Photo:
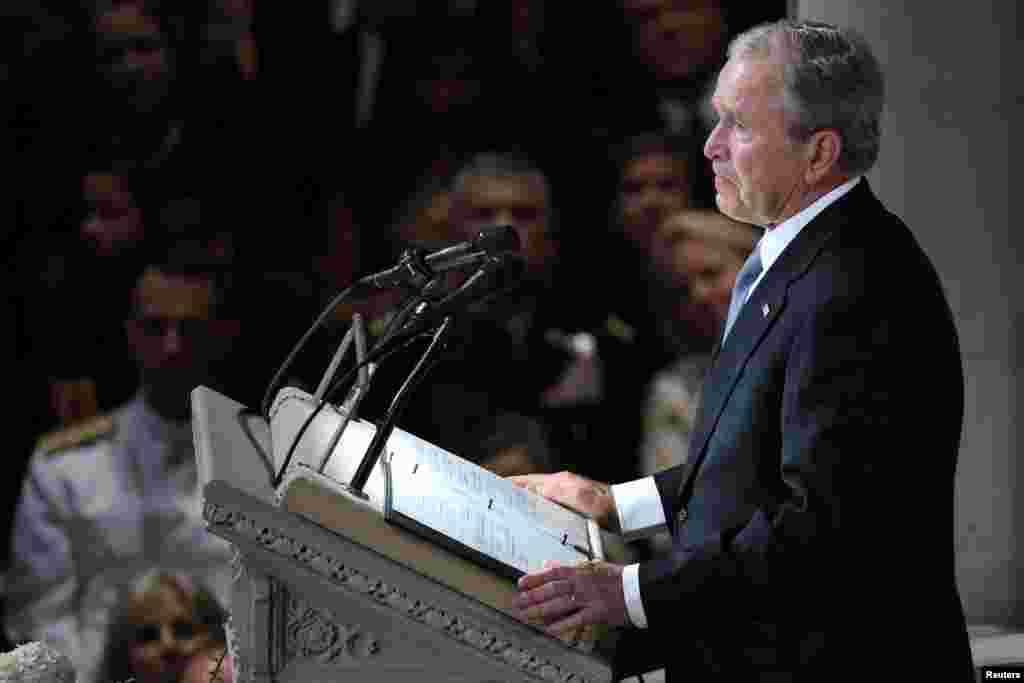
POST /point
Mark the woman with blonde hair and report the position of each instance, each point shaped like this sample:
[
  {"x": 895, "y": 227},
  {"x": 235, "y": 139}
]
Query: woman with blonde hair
[
  {"x": 166, "y": 629},
  {"x": 700, "y": 252}
]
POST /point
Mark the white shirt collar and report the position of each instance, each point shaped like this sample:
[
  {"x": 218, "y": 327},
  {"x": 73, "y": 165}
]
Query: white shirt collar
[{"x": 775, "y": 241}]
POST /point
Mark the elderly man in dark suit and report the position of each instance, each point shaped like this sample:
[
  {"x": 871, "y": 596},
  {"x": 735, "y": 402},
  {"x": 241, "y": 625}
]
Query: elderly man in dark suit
[{"x": 817, "y": 506}]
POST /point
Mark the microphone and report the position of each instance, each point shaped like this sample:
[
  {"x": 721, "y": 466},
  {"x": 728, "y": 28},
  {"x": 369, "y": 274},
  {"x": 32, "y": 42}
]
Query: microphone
[
  {"x": 497, "y": 275},
  {"x": 416, "y": 269}
]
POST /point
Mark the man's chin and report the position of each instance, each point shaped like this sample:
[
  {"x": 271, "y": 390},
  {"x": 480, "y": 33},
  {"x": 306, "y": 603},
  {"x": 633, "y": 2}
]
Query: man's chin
[
  {"x": 726, "y": 205},
  {"x": 730, "y": 208}
]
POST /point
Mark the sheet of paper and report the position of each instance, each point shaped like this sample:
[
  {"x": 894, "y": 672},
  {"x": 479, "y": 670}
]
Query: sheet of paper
[{"x": 410, "y": 454}]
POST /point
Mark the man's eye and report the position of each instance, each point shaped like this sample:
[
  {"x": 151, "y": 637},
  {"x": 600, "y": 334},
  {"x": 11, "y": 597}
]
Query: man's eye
[
  {"x": 482, "y": 214},
  {"x": 152, "y": 326},
  {"x": 184, "y": 630},
  {"x": 526, "y": 214}
]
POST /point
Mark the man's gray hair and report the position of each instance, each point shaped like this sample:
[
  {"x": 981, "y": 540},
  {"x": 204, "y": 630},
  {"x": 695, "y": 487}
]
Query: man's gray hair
[
  {"x": 831, "y": 80},
  {"x": 498, "y": 165}
]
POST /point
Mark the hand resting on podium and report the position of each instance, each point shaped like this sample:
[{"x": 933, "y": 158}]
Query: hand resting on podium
[
  {"x": 585, "y": 496},
  {"x": 563, "y": 598}
]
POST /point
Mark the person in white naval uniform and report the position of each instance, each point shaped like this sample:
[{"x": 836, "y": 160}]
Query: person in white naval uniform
[{"x": 109, "y": 499}]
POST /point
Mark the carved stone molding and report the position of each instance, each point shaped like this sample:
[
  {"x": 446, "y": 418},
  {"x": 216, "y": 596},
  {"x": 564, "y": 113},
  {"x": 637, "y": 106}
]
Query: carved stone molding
[
  {"x": 227, "y": 521},
  {"x": 314, "y": 633},
  {"x": 239, "y": 665}
]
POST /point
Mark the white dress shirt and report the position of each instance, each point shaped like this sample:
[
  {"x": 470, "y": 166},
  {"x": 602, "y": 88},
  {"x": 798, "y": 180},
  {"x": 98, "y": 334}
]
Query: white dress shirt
[{"x": 637, "y": 502}]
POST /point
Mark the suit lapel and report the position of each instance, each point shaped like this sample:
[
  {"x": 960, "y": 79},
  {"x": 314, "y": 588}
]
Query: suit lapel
[
  {"x": 748, "y": 331},
  {"x": 760, "y": 313}
]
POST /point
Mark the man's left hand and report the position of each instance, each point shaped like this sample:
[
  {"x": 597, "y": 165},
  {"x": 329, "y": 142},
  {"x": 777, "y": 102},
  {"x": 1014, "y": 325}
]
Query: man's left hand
[{"x": 563, "y": 599}]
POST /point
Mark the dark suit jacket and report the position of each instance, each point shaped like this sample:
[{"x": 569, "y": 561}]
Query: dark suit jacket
[{"x": 818, "y": 530}]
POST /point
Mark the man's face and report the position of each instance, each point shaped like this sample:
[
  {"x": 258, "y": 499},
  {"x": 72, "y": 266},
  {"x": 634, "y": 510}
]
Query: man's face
[
  {"x": 710, "y": 272},
  {"x": 114, "y": 221},
  {"x": 521, "y": 202},
  {"x": 676, "y": 38},
  {"x": 176, "y": 337},
  {"x": 759, "y": 171},
  {"x": 651, "y": 188}
]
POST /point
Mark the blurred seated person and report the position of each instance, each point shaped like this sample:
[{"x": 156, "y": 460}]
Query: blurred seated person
[
  {"x": 421, "y": 222},
  {"x": 680, "y": 44},
  {"x": 704, "y": 250},
  {"x": 677, "y": 48},
  {"x": 167, "y": 629},
  {"x": 429, "y": 107},
  {"x": 505, "y": 362},
  {"x": 84, "y": 278},
  {"x": 109, "y": 497},
  {"x": 656, "y": 179},
  {"x": 638, "y": 329},
  {"x": 135, "y": 106}
]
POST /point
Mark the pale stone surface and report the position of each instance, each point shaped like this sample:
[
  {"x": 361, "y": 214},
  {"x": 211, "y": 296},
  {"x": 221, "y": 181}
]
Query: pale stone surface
[{"x": 35, "y": 663}]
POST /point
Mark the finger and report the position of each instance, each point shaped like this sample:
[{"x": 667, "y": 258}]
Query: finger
[
  {"x": 550, "y": 610},
  {"x": 572, "y": 622},
  {"x": 547, "y": 591},
  {"x": 526, "y": 481},
  {"x": 546, "y": 575},
  {"x": 551, "y": 564}
]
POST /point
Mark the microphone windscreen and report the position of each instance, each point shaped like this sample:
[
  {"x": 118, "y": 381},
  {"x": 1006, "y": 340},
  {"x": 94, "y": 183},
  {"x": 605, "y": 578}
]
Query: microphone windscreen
[{"x": 498, "y": 239}]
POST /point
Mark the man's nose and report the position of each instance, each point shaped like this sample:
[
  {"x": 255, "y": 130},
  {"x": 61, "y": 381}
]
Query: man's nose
[
  {"x": 167, "y": 639},
  {"x": 713, "y": 147},
  {"x": 172, "y": 340},
  {"x": 700, "y": 291},
  {"x": 506, "y": 217}
]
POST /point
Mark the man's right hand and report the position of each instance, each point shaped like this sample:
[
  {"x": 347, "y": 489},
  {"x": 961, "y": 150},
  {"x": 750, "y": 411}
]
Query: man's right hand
[{"x": 586, "y": 496}]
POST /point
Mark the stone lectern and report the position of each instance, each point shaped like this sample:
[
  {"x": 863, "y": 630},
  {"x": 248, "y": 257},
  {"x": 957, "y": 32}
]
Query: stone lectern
[{"x": 409, "y": 579}]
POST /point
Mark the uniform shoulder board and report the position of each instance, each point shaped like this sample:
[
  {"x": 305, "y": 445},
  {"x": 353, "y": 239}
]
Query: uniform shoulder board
[{"x": 77, "y": 434}]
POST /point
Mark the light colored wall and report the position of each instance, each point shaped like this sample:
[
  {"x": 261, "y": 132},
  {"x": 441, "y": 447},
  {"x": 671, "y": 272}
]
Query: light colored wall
[{"x": 945, "y": 168}]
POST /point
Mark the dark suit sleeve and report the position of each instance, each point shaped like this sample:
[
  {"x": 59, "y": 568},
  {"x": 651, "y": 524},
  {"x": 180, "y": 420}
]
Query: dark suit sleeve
[{"x": 834, "y": 403}]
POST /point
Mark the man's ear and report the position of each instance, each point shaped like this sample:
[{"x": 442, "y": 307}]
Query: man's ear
[{"x": 823, "y": 150}]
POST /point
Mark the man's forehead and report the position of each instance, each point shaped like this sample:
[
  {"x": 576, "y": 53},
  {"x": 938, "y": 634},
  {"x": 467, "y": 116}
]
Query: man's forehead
[
  {"x": 127, "y": 20},
  {"x": 175, "y": 296},
  {"x": 747, "y": 81},
  {"x": 641, "y": 6},
  {"x": 484, "y": 190},
  {"x": 100, "y": 184}
]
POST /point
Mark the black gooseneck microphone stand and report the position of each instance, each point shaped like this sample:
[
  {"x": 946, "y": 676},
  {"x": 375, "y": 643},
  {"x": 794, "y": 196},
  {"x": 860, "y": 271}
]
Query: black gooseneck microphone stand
[{"x": 428, "y": 360}]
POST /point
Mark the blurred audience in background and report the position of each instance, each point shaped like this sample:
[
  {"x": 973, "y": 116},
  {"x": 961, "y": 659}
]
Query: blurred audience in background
[
  {"x": 108, "y": 497},
  {"x": 310, "y": 144}
]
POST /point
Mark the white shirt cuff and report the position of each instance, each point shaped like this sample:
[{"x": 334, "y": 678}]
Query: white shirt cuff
[
  {"x": 631, "y": 589},
  {"x": 638, "y": 505}
]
